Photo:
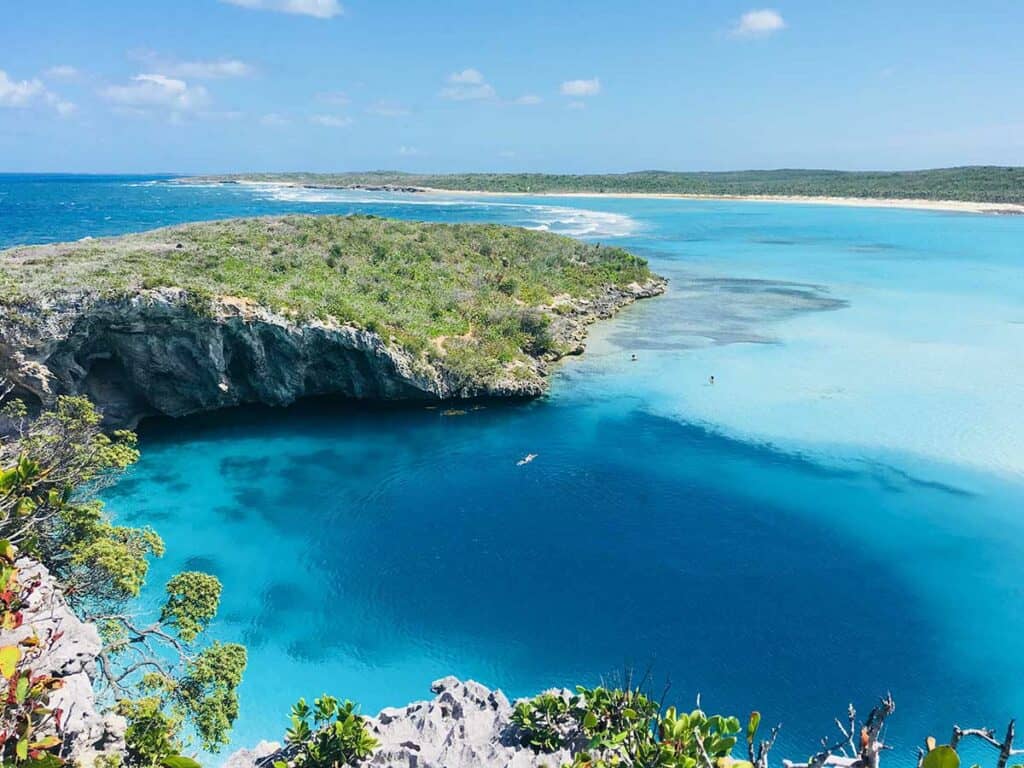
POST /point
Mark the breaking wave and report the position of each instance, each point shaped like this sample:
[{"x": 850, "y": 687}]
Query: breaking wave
[{"x": 577, "y": 222}]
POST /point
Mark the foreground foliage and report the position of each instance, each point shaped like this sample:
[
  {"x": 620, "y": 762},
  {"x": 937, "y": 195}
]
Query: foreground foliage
[
  {"x": 29, "y": 728},
  {"x": 50, "y": 471},
  {"x": 173, "y": 689},
  {"x": 329, "y": 734},
  {"x": 626, "y": 727},
  {"x": 467, "y": 293},
  {"x": 971, "y": 183}
]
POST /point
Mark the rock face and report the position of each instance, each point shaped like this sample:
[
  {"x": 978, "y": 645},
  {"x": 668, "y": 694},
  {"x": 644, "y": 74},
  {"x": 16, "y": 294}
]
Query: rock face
[
  {"x": 465, "y": 725},
  {"x": 72, "y": 659},
  {"x": 166, "y": 352}
]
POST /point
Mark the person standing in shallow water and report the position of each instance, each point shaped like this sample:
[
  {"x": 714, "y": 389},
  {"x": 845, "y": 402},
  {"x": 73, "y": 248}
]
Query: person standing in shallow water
[{"x": 711, "y": 380}]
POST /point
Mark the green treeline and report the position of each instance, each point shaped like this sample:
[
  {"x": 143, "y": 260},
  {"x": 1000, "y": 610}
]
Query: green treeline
[{"x": 992, "y": 184}]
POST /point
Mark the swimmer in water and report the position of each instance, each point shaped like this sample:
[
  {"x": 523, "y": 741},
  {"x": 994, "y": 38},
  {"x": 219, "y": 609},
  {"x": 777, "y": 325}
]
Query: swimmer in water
[
  {"x": 711, "y": 380},
  {"x": 633, "y": 357}
]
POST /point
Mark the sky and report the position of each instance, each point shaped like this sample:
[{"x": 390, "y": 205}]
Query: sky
[{"x": 207, "y": 86}]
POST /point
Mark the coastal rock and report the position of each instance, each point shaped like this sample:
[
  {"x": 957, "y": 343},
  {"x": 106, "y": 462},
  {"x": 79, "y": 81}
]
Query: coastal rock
[
  {"x": 465, "y": 725},
  {"x": 246, "y": 758},
  {"x": 168, "y": 352},
  {"x": 87, "y": 732}
]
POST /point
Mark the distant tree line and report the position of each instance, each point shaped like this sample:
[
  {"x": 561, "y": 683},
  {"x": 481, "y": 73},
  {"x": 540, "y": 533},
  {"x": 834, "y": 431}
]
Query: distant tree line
[{"x": 992, "y": 184}]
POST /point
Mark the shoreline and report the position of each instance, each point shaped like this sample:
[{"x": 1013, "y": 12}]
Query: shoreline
[
  {"x": 919, "y": 204},
  {"x": 957, "y": 206}
]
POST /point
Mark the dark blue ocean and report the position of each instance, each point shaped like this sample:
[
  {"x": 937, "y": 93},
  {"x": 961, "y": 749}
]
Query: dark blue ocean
[{"x": 839, "y": 515}]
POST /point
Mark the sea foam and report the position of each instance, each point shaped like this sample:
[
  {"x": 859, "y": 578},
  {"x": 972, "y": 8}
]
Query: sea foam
[{"x": 563, "y": 220}]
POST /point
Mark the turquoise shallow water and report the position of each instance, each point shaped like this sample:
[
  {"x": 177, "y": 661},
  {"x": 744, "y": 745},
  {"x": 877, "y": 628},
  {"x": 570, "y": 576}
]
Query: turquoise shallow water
[{"x": 837, "y": 516}]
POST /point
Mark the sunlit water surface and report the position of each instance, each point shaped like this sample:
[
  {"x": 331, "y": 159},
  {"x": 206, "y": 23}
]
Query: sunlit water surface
[{"x": 837, "y": 516}]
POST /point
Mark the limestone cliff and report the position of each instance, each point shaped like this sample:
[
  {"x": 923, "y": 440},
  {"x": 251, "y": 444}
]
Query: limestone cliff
[{"x": 166, "y": 351}]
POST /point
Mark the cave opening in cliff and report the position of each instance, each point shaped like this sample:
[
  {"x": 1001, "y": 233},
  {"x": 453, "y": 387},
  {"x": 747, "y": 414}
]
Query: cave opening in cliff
[{"x": 107, "y": 382}]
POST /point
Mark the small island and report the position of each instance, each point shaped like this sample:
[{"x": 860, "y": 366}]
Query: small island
[{"x": 201, "y": 316}]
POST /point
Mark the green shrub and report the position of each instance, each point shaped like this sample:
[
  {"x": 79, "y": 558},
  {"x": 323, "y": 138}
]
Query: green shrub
[
  {"x": 543, "y": 721},
  {"x": 328, "y": 735},
  {"x": 624, "y": 727}
]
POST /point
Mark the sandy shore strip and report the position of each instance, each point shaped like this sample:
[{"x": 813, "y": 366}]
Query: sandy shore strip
[
  {"x": 955, "y": 206},
  {"x": 958, "y": 206}
]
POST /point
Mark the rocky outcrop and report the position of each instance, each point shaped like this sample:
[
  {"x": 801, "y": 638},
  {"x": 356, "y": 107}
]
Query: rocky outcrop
[
  {"x": 168, "y": 352},
  {"x": 72, "y": 658},
  {"x": 465, "y": 725}
]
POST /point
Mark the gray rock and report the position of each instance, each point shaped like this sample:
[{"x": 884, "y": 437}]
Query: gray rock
[
  {"x": 465, "y": 725},
  {"x": 87, "y": 731},
  {"x": 245, "y": 758}
]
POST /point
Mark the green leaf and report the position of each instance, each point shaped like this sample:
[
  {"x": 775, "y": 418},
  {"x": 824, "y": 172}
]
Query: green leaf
[
  {"x": 941, "y": 757},
  {"x": 752, "y": 725},
  {"x": 179, "y": 761},
  {"x": 21, "y": 690},
  {"x": 590, "y": 721}
]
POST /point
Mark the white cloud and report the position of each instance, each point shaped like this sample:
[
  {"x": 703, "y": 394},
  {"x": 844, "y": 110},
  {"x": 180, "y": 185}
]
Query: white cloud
[
  {"x": 23, "y": 93},
  {"x": 61, "y": 72},
  {"x": 320, "y": 9},
  {"x": 468, "y": 92},
  {"x": 581, "y": 87},
  {"x": 212, "y": 69},
  {"x": 385, "y": 108},
  {"x": 466, "y": 77},
  {"x": 64, "y": 108},
  {"x": 408, "y": 151},
  {"x": 225, "y": 114},
  {"x": 337, "y": 98},
  {"x": 467, "y": 85},
  {"x": 152, "y": 90},
  {"x": 759, "y": 23},
  {"x": 331, "y": 121},
  {"x": 274, "y": 120},
  {"x": 528, "y": 99},
  {"x": 18, "y": 93}
]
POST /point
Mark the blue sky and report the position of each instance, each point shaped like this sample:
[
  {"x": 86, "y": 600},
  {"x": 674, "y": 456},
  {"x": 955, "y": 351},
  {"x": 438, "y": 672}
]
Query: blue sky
[{"x": 329, "y": 85}]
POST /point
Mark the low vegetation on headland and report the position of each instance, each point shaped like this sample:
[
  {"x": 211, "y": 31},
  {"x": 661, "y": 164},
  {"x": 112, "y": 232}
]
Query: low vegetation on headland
[
  {"x": 981, "y": 184},
  {"x": 478, "y": 296}
]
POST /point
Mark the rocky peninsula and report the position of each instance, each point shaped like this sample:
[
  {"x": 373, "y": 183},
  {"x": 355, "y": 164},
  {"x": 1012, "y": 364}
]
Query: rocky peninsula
[{"x": 196, "y": 317}]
